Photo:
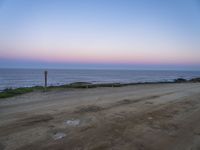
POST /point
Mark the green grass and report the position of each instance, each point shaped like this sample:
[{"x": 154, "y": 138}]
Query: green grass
[{"x": 13, "y": 92}]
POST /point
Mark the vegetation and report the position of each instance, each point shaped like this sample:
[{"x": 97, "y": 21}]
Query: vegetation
[
  {"x": 9, "y": 92},
  {"x": 195, "y": 80},
  {"x": 13, "y": 92}
]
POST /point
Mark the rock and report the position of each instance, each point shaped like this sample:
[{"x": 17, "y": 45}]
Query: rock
[
  {"x": 195, "y": 80},
  {"x": 180, "y": 80},
  {"x": 150, "y": 118},
  {"x": 72, "y": 122},
  {"x": 59, "y": 135}
]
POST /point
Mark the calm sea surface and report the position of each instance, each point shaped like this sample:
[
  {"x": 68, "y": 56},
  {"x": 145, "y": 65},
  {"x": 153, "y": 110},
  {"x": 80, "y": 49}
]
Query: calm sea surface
[{"x": 13, "y": 78}]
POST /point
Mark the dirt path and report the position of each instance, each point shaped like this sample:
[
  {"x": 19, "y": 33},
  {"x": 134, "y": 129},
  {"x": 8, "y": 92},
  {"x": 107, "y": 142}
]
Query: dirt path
[{"x": 140, "y": 117}]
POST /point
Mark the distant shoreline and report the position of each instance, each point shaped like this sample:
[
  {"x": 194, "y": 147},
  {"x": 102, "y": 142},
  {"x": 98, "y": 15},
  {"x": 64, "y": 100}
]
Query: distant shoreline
[
  {"x": 10, "y": 92},
  {"x": 29, "y": 78}
]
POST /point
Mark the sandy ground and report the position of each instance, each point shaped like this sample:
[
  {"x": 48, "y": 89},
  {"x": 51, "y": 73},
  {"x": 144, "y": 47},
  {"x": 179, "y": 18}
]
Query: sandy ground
[{"x": 140, "y": 117}]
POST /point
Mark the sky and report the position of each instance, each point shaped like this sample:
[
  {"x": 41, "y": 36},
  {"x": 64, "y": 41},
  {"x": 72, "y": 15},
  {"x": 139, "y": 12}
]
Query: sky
[{"x": 99, "y": 34}]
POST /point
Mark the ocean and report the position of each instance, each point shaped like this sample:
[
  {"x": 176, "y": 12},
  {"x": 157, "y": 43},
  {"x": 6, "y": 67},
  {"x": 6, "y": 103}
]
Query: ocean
[{"x": 14, "y": 78}]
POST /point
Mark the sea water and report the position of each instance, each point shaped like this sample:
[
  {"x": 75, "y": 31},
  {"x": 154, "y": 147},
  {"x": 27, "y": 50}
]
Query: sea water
[{"x": 14, "y": 78}]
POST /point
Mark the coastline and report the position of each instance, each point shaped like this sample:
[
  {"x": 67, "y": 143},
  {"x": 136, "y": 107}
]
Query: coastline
[{"x": 9, "y": 92}]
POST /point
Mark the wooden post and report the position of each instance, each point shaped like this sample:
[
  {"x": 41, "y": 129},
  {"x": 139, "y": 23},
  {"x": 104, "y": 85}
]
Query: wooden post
[{"x": 45, "y": 78}]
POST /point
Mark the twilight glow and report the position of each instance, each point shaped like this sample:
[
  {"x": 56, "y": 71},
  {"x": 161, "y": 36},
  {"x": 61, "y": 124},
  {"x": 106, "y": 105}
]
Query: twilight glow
[{"x": 73, "y": 33}]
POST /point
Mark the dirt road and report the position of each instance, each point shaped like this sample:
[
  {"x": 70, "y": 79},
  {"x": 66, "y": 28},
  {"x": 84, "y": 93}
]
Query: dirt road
[{"x": 140, "y": 117}]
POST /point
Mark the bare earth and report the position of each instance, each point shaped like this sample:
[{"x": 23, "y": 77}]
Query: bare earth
[{"x": 140, "y": 117}]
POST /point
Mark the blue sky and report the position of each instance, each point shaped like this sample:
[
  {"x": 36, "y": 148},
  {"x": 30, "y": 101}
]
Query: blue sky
[{"x": 131, "y": 34}]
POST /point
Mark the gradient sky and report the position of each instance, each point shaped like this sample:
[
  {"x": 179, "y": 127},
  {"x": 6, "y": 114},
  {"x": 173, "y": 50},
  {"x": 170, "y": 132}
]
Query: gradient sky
[{"x": 131, "y": 34}]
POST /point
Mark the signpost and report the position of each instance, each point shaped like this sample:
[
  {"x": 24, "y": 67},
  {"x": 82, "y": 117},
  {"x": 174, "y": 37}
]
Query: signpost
[{"x": 45, "y": 78}]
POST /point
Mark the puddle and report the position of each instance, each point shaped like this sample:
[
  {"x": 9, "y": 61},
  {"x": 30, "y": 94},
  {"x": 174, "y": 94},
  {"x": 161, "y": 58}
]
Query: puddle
[
  {"x": 75, "y": 122},
  {"x": 59, "y": 135}
]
